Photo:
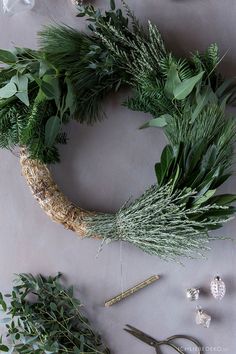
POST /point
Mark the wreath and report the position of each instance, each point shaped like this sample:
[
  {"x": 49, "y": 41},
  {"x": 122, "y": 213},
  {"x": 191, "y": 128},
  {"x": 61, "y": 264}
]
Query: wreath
[{"x": 68, "y": 77}]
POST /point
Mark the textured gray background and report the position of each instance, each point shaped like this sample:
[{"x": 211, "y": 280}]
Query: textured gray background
[{"x": 102, "y": 167}]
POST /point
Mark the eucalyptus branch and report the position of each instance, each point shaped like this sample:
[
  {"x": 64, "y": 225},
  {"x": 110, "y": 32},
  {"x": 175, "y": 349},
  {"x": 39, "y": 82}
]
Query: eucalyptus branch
[{"x": 52, "y": 322}]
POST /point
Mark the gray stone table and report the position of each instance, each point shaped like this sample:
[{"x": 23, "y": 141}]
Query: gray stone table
[{"x": 101, "y": 168}]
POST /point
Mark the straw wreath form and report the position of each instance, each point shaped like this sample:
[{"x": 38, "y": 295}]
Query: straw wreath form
[{"x": 55, "y": 204}]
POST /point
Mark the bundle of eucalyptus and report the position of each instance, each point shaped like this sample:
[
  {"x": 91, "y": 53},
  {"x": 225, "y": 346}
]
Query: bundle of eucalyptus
[
  {"x": 44, "y": 317},
  {"x": 68, "y": 77}
]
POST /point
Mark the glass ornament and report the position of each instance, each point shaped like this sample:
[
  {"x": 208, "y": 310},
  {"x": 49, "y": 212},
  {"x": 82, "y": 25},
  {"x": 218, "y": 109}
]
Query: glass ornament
[
  {"x": 202, "y": 318},
  {"x": 218, "y": 288},
  {"x": 12, "y": 7},
  {"x": 192, "y": 294}
]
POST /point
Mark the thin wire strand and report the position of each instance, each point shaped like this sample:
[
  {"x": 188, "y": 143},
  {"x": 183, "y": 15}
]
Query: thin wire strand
[{"x": 121, "y": 268}]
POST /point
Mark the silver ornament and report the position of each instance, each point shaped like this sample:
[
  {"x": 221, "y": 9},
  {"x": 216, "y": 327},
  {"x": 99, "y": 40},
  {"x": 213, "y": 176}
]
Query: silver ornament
[
  {"x": 77, "y": 2},
  {"x": 192, "y": 294},
  {"x": 218, "y": 288},
  {"x": 12, "y": 7},
  {"x": 202, "y": 318}
]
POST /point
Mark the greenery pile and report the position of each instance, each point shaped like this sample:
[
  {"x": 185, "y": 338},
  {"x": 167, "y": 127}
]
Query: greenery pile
[
  {"x": 43, "y": 317},
  {"x": 71, "y": 74}
]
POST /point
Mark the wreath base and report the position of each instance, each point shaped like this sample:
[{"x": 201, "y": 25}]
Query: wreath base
[{"x": 50, "y": 198}]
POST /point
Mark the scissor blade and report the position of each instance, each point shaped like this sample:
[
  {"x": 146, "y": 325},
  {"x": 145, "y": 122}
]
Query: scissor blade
[{"x": 140, "y": 335}]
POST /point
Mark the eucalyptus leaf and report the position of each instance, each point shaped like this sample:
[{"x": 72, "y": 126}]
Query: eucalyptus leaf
[
  {"x": 70, "y": 97},
  {"x": 92, "y": 66},
  {"x": 113, "y": 5},
  {"x": 43, "y": 68},
  {"x": 22, "y": 82},
  {"x": 183, "y": 89},
  {"x": 52, "y": 129},
  {"x": 172, "y": 81},
  {"x": 80, "y": 14},
  {"x": 23, "y": 96},
  {"x": 7, "y": 57},
  {"x": 4, "y": 348},
  {"x": 53, "y": 306},
  {"x": 27, "y": 339},
  {"x": 50, "y": 87},
  {"x": 3, "y": 304},
  {"x": 47, "y": 89},
  {"x": 8, "y": 90},
  {"x": 17, "y": 336},
  {"x": 159, "y": 122}
]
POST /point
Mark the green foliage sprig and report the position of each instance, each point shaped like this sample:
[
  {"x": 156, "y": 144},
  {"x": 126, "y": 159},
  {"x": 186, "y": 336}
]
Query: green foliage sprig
[
  {"x": 161, "y": 223},
  {"x": 34, "y": 103},
  {"x": 45, "y": 317}
]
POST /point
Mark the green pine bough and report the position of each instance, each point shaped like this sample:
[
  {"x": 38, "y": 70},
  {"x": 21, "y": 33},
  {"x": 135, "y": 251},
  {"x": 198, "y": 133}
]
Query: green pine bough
[
  {"x": 43, "y": 316},
  {"x": 68, "y": 77}
]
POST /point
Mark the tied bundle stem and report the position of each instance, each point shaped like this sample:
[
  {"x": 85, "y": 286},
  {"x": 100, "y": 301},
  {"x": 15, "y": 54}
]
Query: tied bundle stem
[{"x": 159, "y": 223}]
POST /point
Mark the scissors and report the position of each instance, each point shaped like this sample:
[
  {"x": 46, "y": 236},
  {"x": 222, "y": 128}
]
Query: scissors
[{"x": 168, "y": 342}]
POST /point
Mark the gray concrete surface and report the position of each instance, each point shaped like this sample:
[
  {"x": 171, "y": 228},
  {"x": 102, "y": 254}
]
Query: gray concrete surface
[{"x": 101, "y": 168}]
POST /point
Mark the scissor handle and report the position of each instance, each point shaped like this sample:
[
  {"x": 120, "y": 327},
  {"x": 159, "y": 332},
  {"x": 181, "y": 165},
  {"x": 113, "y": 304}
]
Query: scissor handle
[
  {"x": 169, "y": 344},
  {"x": 188, "y": 338}
]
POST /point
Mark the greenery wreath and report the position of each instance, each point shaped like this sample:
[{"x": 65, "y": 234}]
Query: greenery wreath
[{"x": 68, "y": 77}]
